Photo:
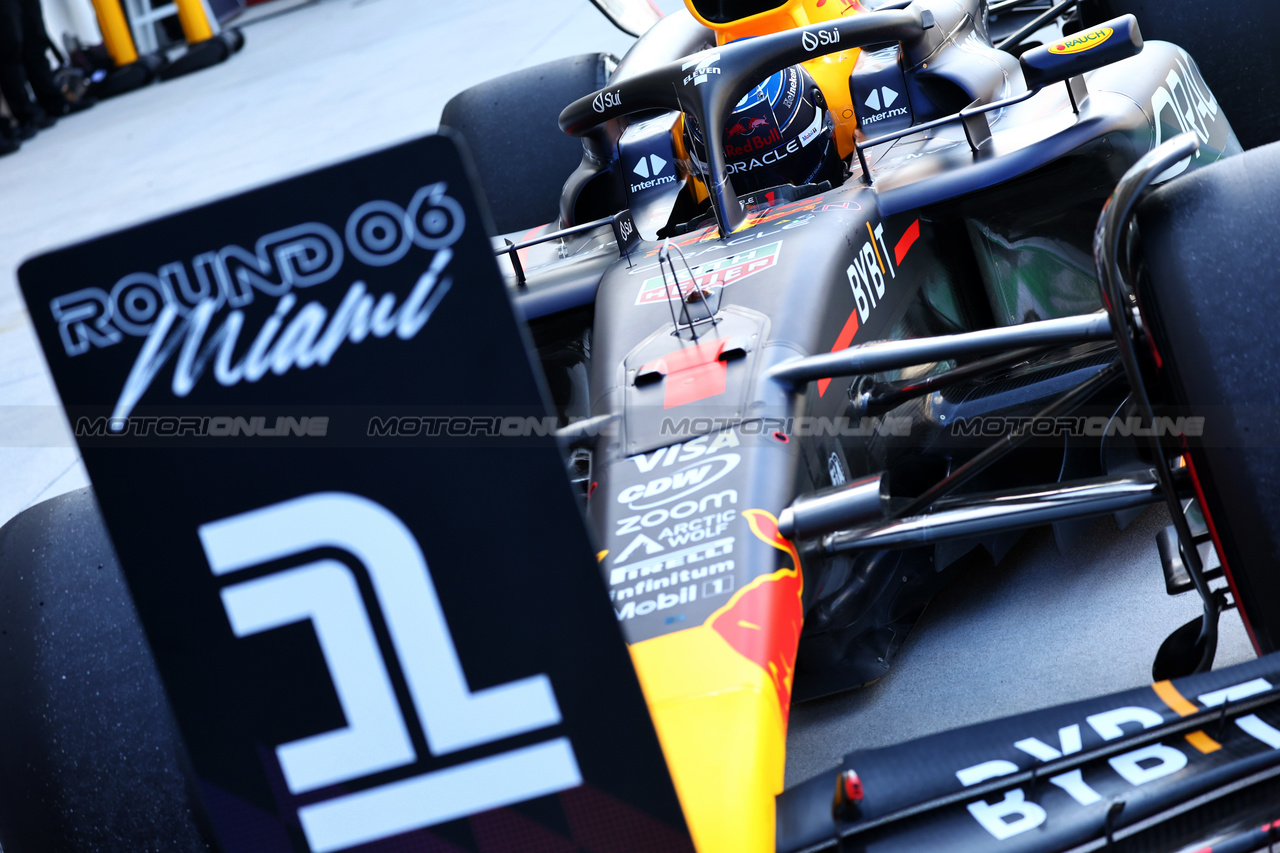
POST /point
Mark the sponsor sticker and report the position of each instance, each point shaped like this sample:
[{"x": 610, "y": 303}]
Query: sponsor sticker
[
  {"x": 653, "y": 171},
  {"x": 811, "y": 132},
  {"x": 607, "y": 101},
  {"x": 1080, "y": 42},
  {"x": 1182, "y": 103},
  {"x": 709, "y": 275},
  {"x": 1086, "y": 757},
  {"x": 811, "y": 41},
  {"x": 684, "y": 481},
  {"x": 699, "y": 69}
]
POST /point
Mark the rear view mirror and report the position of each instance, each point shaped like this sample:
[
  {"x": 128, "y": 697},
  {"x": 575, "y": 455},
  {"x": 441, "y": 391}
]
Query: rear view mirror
[
  {"x": 633, "y": 17},
  {"x": 1080, "y": 52}
]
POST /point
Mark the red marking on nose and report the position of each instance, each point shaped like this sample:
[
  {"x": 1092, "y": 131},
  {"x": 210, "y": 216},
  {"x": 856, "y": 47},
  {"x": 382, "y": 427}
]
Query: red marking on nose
[{"x": 692, "y": 374}]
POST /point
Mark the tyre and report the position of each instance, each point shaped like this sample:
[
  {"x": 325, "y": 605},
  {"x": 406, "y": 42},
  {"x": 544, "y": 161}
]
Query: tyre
[
  {"x": 1210, "y": 298},
  {"x": 1232, "y": 43},
  {"x": 90, "y": 760},
  {"x": 510, "y": 126}
]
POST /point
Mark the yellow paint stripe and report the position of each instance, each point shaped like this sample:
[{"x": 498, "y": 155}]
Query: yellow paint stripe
[
  {"x": 876, "y": 248},
  {"x": 1181, "y": 706},
  {"x": 1170, "y": 696},
  {"x": 600, "y": 556},
  {"x": 1203, "y": 742}
]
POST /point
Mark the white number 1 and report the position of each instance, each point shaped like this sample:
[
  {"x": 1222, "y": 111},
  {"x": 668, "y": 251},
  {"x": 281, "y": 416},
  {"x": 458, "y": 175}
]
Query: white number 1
[{"x": 376, "y": 737}]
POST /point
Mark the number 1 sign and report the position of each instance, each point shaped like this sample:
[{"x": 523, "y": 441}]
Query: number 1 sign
[{"x": 369, "y": 644}]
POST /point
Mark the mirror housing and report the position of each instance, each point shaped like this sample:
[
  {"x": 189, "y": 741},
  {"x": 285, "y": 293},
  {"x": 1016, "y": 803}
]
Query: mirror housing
[
  {"x": 633, "y": 17},
  {"x": 1087, "y": 50}
]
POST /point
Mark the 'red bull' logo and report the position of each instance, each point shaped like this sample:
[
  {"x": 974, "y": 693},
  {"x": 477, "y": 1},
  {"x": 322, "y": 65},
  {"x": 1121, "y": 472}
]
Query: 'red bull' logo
[
  {"x": 748, "y": 127},
  {"x": 762, "y": 622},
  {"x": 753, "y": 143}
]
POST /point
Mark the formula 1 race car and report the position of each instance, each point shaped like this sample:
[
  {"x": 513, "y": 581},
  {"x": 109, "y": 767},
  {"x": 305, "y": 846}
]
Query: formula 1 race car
[
  {"x": 862, "y": 295},
  {"x": 837, "y": 292}
]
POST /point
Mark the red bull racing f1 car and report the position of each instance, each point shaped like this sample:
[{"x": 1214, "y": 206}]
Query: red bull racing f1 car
[{"x": 822, "y": 302}]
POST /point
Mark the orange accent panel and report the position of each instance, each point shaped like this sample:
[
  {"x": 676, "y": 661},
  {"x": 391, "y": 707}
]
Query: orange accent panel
[
  {"x": 717, "y": 718},
  {"x": 719, "y": 704}
]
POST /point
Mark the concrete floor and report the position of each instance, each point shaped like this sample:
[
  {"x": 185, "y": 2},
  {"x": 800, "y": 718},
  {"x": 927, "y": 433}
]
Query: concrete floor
[{"x": 341, "y": 77}]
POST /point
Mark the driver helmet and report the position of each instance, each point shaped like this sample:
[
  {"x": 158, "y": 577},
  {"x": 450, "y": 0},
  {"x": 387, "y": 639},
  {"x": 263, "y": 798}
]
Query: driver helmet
[{"x": 781, "y": 132}]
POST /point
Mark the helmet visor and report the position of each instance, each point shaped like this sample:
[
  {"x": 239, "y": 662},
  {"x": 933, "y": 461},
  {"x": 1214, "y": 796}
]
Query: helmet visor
[{"x": 728, "y": 11}]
